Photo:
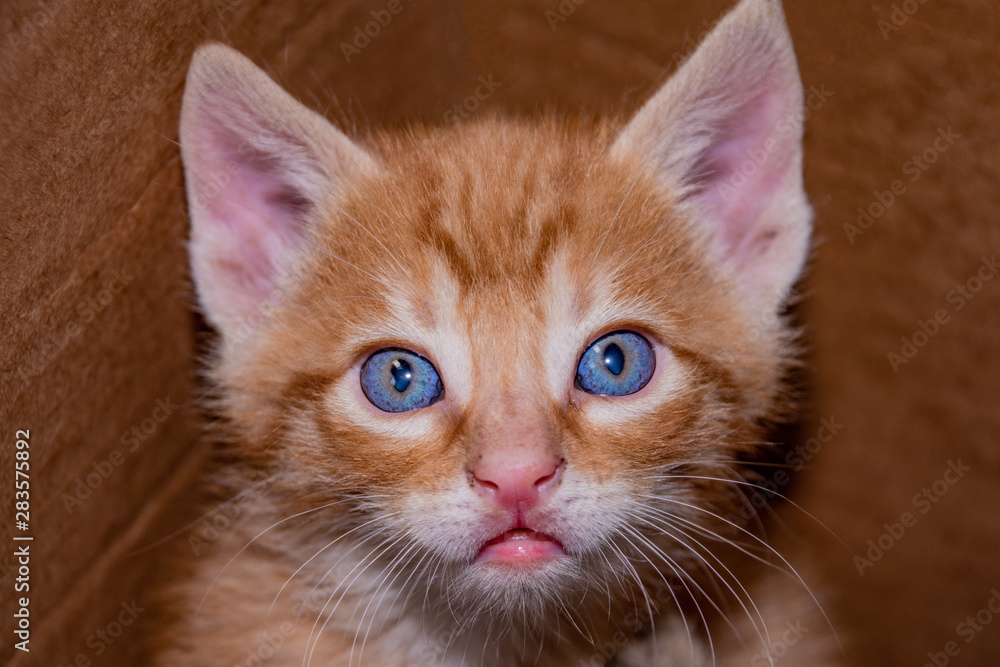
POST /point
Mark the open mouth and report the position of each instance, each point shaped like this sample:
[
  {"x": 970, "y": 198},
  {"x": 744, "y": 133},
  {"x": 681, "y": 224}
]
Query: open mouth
[{"x": 520, "y": 546}]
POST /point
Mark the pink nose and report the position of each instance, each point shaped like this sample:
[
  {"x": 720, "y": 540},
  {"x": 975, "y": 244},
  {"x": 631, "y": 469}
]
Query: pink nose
[{"x": 516, "y": 479}]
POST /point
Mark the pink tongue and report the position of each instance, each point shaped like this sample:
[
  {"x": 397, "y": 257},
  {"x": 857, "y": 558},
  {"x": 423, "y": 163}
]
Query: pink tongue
[{"x": 519, "y": 546}]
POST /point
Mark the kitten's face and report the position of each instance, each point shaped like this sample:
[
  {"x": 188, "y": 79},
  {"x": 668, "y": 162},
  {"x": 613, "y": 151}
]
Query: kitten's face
[
  {"x": 501, "y": 276},
  {"x": 519, "y": 352}
]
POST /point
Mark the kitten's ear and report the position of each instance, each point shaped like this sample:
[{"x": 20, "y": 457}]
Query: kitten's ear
[
  {"x": 258, "y": 167},
  {"x": 725, "y": 132}
]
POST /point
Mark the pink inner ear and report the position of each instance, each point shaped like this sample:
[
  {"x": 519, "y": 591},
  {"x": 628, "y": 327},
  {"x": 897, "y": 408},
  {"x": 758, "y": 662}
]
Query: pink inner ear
[
  {"x": 741, "y": 173},
  {"x": 252, "y": 217}
]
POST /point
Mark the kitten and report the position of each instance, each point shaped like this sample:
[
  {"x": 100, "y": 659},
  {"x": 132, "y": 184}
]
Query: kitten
[{"x": 484, "y": 392}]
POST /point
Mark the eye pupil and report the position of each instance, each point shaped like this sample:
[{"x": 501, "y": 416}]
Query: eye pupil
[
  {"x": 614, "y": 359},
  {"x": 402, "y": 374}
]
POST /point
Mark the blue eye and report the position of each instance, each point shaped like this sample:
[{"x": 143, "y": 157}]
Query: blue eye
[
  {"x": 398, "y": 380},
  {"x": 617, "y": 364}
]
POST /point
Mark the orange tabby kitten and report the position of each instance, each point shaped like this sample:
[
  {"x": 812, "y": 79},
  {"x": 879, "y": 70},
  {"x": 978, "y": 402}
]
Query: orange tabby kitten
[{"x": 485, "y": 390}]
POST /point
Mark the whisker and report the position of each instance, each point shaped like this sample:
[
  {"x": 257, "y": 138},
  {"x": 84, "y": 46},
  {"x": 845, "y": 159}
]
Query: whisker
[
  {"x": 643, "y": 246},
  {"x": 703, "y": 530},
  {"x": 724, "y": 581},
  {"x": 680, "y": 610},
  {"x": 764, "y": 489},
  {"x": 328, "y": 545},
  {"x": 613, "y": 221},
  {"x": 791, "y": 569},
  {"x": 318, "y": 635},
  {"x": 353, "y": 266},
  {"x": 258, "y": 536},
  {"x": 377, "y": 239},
  {"x": 682, "y": 576},
  {"x": 405, "y": 585},
  {"x": 396, "y": 562},
  {"x": 204, "y": 516}
]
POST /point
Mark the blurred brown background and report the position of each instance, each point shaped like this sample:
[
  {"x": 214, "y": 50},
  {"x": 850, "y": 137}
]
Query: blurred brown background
[{"x": 98, "y": 343}]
